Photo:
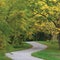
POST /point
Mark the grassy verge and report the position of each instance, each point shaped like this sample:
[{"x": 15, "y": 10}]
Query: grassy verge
[
  {"x": 23, "y": 46},
  {"x": 51, "y": 53},
  {"x": 11, "y": 48},
  {"x": 3, "y": 57}
]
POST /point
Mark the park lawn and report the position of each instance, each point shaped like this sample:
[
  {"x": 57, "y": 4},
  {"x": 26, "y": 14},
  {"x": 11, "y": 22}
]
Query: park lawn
[
  {"x": 51, "y": 53},
  {"x": 11, "y": 48},
  {"x": 3, "y": 57}
]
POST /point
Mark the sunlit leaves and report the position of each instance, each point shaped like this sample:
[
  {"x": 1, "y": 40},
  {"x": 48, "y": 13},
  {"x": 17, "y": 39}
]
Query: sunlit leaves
[{"x": 26, "y": 17}]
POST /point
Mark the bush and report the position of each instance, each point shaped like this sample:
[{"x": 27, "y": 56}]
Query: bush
[{"x": 2, "y": 41}]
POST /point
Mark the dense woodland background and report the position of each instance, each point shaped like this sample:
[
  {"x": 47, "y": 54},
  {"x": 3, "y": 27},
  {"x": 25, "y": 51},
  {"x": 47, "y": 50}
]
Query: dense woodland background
[{"x": 28, "y": 20}]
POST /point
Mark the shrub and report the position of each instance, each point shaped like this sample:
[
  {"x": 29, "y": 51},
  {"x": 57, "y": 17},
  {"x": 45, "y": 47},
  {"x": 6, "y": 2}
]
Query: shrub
[{"x": 2, "y": 41}]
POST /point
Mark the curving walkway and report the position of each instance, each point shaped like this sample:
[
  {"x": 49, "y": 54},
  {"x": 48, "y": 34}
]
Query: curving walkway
[{"x": 26, "y": 54}]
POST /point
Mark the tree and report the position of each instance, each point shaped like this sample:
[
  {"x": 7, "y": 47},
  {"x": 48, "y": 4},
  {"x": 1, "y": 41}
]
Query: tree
[
  {"x": 46, "y": 10},
  {"x": 26, "y": 17}
]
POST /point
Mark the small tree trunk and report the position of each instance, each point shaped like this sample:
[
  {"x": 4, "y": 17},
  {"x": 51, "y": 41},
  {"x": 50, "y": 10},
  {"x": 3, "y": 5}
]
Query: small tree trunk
[
  {"x": 59, "y": 44},
  {"x": 59, "y": 39}
]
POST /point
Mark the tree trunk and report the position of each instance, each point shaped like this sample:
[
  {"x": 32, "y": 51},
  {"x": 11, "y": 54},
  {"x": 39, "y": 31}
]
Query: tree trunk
[
  {"x": 58, "y": 39},
  {"x": 57, "y": 25}
]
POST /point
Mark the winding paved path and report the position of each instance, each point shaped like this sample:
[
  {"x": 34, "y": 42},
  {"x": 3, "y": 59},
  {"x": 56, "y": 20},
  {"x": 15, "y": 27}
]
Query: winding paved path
[{"x": 26, "y": 54}]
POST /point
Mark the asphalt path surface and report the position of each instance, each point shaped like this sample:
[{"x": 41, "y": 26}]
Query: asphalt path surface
[{"x": 26, "y": 54}]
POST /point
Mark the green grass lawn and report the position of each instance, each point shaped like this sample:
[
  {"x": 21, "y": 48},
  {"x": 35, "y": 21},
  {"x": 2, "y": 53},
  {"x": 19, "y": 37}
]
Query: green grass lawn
[
  {"x": 11, "y": 48},
  {"x": 51, "y": 53},
  {"x": 3, "y": 57}
]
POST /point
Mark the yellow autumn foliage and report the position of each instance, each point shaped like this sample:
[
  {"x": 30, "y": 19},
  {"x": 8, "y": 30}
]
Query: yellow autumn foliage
[{"x": 2, "y": 4}]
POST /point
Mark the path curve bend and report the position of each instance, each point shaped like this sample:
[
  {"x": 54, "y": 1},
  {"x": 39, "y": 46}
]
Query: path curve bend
[{"x": 26, "y": 54}]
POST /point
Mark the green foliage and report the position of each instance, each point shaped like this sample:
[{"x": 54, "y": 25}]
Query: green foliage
[
  {"x": 20, "y": 19},
  {"x": 2, "y": 41}
]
